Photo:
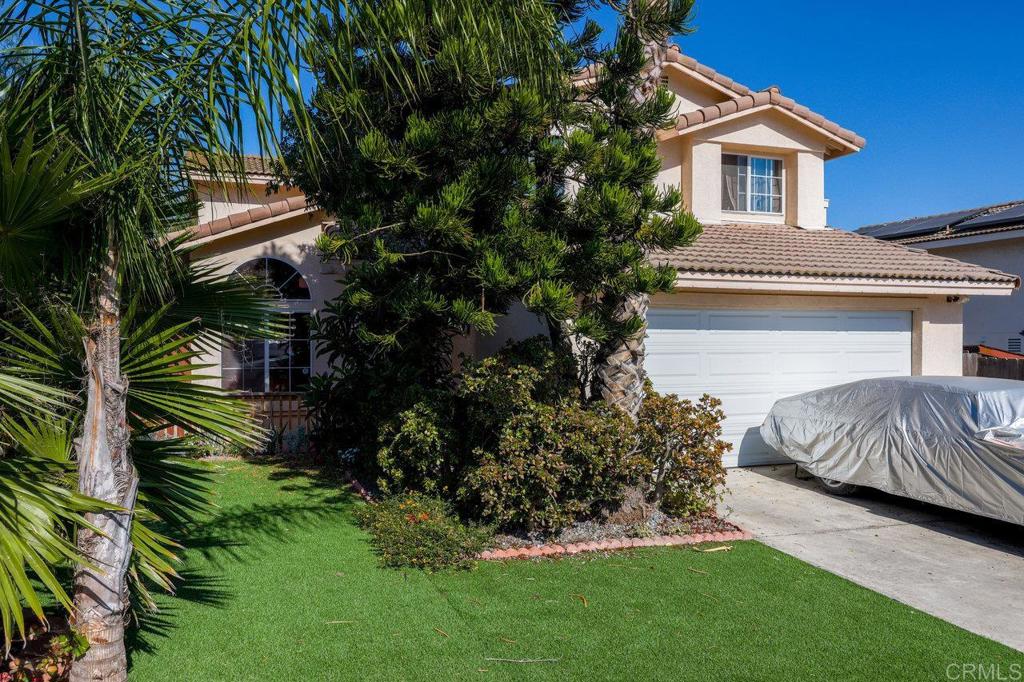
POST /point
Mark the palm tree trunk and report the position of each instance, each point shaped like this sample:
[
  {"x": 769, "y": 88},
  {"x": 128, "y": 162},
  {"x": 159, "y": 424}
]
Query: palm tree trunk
[
  {"x": 106, "y": 472},
  {"x": 619, "y": 375}
]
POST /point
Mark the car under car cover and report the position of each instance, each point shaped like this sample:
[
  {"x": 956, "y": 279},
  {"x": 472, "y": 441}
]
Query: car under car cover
[{"x": 957, "y": 442}]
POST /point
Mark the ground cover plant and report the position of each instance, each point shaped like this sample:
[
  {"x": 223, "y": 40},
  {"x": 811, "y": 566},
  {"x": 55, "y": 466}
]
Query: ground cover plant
[
  {"x": 281, "y": 566},
  {"x": 420, "y": 531}
]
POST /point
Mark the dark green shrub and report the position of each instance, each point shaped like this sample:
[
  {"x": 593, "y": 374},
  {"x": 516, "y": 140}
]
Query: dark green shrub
[
  {"x": 432, "y": 445},
  {"x": 419, "y": 450},
  {"x": 679, "y": 456},
  {"x": 552, "y": 465},
  {"x": 420, "y": 531}
]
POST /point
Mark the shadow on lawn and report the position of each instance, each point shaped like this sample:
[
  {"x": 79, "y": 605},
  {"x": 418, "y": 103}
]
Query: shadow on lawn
[{"x": 240, "y": 533}]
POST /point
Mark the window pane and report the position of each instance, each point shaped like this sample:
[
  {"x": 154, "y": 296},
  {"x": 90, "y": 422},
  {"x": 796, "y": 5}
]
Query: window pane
[
  {"x": 279, "y": 380},
  {"x": 300, "y": 326},
  {"x": 286, "y": 280},
  {"x": 252, "y": 380},
  {"x": 278, "y": 353},
  {"x": 300, "y": 354},
  {"x": 300, "y": 379},
  {"x": 733, "y": 182},
  {"x": 231, "y": 379},
  {"x": 252, "y": 353}
]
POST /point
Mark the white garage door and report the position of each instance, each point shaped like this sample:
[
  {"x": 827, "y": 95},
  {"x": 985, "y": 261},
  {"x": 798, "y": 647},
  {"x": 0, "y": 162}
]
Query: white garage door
[{"x": 751, "y": 358}]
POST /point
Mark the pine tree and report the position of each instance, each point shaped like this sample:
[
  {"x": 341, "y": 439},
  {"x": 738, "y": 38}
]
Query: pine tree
[
  {"x": 428, "y": 140},
  {"x": 617, "y": 214}
]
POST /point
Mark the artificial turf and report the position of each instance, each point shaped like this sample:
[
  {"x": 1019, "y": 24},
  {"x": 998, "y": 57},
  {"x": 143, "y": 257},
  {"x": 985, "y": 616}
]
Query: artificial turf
[{"x": 281, "y": 585}]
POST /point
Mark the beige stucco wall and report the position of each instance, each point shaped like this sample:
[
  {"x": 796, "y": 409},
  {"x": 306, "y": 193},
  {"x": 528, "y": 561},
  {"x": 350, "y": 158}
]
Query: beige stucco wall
[
  {"x": 696, "y": 161},
  {"x": 291, "y": 241},
  {"x": 690, "y": 94},
  {"x": 991, "y": 320},
  {"x": 693, "y": 162}
]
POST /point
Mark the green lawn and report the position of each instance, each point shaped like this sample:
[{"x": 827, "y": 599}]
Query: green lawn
[{"x": 283, "y": 586}]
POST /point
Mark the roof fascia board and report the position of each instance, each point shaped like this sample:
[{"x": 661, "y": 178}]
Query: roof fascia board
[
  {"x": 242, "y": 229},
  {"x": 839, "y": 285}
]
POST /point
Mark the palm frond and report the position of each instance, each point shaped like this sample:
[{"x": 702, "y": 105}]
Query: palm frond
[
  {"x": 165, "y": 388},
  {"x": 36, "y": 509},
  {"x": 226, "y": 307}
]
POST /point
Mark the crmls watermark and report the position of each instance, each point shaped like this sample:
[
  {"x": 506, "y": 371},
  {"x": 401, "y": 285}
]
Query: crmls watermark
[{"x": 991, "y": 672}]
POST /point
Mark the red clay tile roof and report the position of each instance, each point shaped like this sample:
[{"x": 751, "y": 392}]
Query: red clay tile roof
[
  {"x": 247, "y": 217},
  {"x": 989, "y": 351},
  {"x": 251, "y": 163},
  {"x": 754, "y": 249},
  {"x": 743, "y": 99},
  {"x": 771, "y": 97}
]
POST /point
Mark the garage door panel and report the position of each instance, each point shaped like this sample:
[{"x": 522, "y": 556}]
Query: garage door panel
[
  {"x": 808, "y": 363},
  {"x": 748, "y": 364},
  {"x": 669, "y": 321},
  {"x": 724, "y": 324},
  {"x": 876, "y": 323},
  {"x": 751, "y": 358},
  {"x": 876, "y": 362},
  {"x": 672, "y": 365},
  {"x": 799, "y": 324}
]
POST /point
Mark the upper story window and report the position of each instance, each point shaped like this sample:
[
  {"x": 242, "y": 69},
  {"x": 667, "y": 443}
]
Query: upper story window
[
  {"x": 282, "y": 365},
  {"x": 751, "y": 184}
]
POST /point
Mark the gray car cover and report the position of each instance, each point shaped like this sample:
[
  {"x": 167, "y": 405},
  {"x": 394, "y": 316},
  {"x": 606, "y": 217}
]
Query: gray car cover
[{"x": 952, "y": 441}]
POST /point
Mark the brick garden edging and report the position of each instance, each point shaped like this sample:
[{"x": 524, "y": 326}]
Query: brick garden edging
[
  {"x": 610, "y": 545},
  {"x": 537, "y": 551}
]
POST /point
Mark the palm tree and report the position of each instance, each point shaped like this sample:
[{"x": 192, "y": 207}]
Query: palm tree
[{"x": 124, "y": 90}]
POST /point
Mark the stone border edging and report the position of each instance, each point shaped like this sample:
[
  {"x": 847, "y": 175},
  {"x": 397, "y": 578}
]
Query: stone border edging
[{"x": 610, "y": 545}]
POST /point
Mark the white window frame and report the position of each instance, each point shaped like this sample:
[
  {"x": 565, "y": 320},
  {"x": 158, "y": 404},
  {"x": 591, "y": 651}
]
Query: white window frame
[
  {"x": 285, "y": 306},
  {"x": 782, "y": 184}
]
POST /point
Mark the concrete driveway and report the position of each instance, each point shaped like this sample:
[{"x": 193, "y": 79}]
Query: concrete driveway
[{"x": 962, "y": 568}]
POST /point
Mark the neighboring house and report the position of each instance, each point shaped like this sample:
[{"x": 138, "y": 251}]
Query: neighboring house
[
  {"x": 992, "y": 236},
  {"x": 769, "y": 302}
]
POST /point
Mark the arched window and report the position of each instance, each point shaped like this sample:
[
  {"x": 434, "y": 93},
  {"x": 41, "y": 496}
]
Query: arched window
[
  {"x": 278, "y": 275},
  {"x": 261, "y": 366}
]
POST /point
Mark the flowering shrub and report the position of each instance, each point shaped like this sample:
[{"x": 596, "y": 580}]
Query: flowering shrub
[
  {"x": 45, "y": 656},
  {"x": 419, "y": 531},
  {"x": 552, "y": 465},
  {"x": 679, "y": 456}
]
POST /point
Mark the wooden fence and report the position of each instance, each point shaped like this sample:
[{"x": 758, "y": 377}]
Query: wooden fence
[
  {"x": 285, "y": 415},
  {"x": 977, "y": 365}
]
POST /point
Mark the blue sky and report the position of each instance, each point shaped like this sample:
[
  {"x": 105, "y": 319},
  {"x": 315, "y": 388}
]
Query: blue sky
[{"x": 936, "y": 88}]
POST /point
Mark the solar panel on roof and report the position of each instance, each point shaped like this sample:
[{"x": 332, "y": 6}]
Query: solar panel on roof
[
  {"x": 1009, "y": 215},
  {"x": 914, "y": 226}
]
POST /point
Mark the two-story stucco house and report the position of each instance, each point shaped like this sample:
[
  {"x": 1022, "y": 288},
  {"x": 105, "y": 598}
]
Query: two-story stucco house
[
  {"x": 769, "y": 301},
  {"x": 992, "y": 236}
]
